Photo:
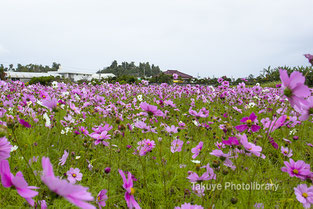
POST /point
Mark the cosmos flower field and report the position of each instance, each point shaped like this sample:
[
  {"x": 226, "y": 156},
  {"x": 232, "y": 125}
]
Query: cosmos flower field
[{"x": 156, "y": 146}]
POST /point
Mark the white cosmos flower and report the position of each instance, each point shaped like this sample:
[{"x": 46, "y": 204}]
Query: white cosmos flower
[
  {"x": 14, "y": 148},
  {"x": 46, "y": 117},
  {"x": 139, "y": 97}
]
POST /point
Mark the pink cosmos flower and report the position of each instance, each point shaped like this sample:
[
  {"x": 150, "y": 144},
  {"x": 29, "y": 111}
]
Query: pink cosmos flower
[
  {"x": 18, "y": 182},
  {"x": 175, "y": 76},
  {"x": 100, "y": 137},
  {"x": 75, "y": 194},
  {"x": 33, "y": 160},
  {"x": 250, "y": 147},
  {"x": 74, "y": 175},
  {"x": 286, "y": 151},
  {"x": 304, "y": 195},
  {"x": 129, "y": 194},
  {"x": 306, "y": 109},
  {"x": 169, "y": 103},
  {"x": 250, "y": 124},
  {"x": 43, "y": 204},
  {"x": 219, "y": 153},
  {"x": 309, "y": 57},
  {"x": 63, "y": 158},
  {"x": 144, "y": 147},
  {"x": 5, "y": 148},
  {"x": 83, "y": 130},
  {"x": 196, "y": 150},
  {"x": 189, "y": 206},
  {"x": 219, "y": 145},
  {"x": 274, "y": 124},
  {"x": 201, "y": 114},
  {"x": 145, "y": 128},
  {"x": 101, "y": 198},
  {"x": 177, "y": 145},
  {"x": 220, "y": 80},
  {"x": 297, "y": 169},
  {"x": 293, "y": 87},
  {"x": 193, "y": 177},
  {"x": 151, "y": 109},
  {"x": 50, "y": 102},
  {"x": 171, "y": 129}
]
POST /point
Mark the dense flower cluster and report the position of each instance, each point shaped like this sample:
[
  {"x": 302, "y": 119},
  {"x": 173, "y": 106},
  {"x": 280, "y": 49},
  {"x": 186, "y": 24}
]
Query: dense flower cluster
[{"x": 160, "y": 139}]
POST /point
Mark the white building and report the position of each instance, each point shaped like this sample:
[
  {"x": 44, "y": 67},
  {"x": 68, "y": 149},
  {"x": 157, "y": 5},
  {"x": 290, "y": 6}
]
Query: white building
[
  {"x": 27, "y": 76},
  {"x": 65, "y": 74}
]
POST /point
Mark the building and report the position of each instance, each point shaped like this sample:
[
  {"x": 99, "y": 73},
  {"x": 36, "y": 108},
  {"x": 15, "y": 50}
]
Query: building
[
  {"x": 26, "y": 76},
  {"x": 183, "y": 76}
]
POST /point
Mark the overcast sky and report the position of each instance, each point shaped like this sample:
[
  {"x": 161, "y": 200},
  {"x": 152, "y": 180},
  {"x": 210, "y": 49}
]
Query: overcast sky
[{"x": 221, "y": 37}]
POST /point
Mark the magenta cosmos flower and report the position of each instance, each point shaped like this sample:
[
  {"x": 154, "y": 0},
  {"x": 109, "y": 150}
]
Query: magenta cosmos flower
[
  {"x": 231, "y": 141},
  {"x": 189, "y": 206},
  {"x": 196, "y": 150},
  {"x": 5, "y": 148},
  {"x": 101, "y": 198},
  {"x": 304, "y": 195},
  {"x": 297, "y": 169},
  {"x": 177, "y": 145},
  {"x": 129, "y": 194},
  {"x": 293, "y": 87},
  {"x": 249, "y": 124},
  {"x": 75, "y": 194},
  {"x": 24, "y": 123},
  {"x": 18, "y": 182},
  {"x": 74, "y": 175}
]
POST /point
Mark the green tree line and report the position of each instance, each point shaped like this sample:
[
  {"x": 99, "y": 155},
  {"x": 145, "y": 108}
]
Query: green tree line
[{"x": 144, "y": 69}]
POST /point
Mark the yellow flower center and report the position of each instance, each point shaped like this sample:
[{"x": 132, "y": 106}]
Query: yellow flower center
[
  {"x": 285, "y": 152},
  {"x": 295, "y": 171},
  {"x": 74, "y": 175},
  {"x": 43, "y": 96},
  {"x": 249, "y": 122},
  {"x": 98, "y": 198},
  {"x": 132, "y": 191},
  {"x": 288, "y": 118},
  {"x": 305, "y": 195}
]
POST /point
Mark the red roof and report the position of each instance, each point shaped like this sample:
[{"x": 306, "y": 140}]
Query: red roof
[{"x": 182, "y": 75}]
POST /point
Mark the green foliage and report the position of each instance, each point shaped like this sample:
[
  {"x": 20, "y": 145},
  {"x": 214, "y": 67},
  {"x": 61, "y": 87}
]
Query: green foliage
[
  {"x": 162, "y": 78},
  {"x": 123, "y": 79},
  {"x": 31, "y": 68},
  {"x": 45, "y": 80},
  {"x": 2, "y": 72},
  {"x": 125, "y": 68}
]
